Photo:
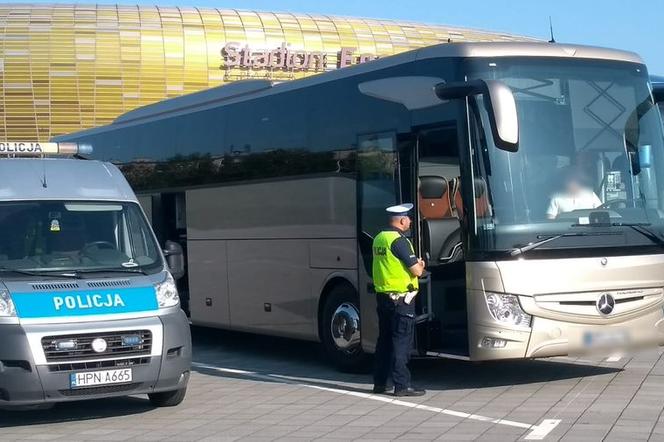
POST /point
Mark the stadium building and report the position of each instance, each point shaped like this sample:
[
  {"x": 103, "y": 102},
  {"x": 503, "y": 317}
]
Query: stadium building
[{"x": 65, "y": 68}]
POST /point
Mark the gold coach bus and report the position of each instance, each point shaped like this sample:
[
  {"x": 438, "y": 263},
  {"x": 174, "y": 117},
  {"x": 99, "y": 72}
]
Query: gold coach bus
[{"x": 276, "y": 191}]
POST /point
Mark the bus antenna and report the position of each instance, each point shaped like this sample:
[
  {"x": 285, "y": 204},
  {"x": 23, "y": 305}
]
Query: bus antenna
[{"x": 553, "y": 40}]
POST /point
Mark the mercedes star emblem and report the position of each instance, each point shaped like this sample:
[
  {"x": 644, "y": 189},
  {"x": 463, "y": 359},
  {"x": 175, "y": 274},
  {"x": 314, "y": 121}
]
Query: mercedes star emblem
[{"x": 605, "y": 304}]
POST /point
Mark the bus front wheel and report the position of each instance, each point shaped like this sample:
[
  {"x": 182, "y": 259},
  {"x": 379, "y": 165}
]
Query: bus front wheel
[{"x": 340, "y": 330}]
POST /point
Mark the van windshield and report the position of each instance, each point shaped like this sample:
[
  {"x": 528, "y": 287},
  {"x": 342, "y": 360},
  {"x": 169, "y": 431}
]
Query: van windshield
[{"x": 54, "y": 236}]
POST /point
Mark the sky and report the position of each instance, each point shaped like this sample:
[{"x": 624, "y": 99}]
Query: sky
[{"x": 636, "y": 26}]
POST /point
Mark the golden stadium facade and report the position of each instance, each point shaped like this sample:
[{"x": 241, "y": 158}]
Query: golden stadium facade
[{"x": 64, "y": 68}]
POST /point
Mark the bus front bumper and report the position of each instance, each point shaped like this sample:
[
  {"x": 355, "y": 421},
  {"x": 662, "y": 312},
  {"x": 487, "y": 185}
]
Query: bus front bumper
[
  {"x": 547, "y": 338},
  {"x": 23, "y": 382}
]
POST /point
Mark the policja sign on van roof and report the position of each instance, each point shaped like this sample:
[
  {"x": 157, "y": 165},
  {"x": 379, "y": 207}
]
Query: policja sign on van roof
[{"x": 35, "y": 148}]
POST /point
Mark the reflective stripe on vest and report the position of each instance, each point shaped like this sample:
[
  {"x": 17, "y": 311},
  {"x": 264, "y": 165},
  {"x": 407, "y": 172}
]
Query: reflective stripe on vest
[{"x": 390, "y": 275}]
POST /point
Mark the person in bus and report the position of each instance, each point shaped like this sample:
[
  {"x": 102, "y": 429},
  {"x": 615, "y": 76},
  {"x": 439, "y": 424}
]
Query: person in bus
[
  {"x": 396, "y": 270},
  {"x": 576, "y": 195}
]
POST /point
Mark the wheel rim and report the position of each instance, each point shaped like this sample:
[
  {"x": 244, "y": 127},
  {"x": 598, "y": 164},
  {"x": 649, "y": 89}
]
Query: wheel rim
[{"x": 345, "y": 327}]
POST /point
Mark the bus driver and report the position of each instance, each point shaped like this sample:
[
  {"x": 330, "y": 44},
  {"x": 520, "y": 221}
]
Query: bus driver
[{"x": 575, "y": 196}]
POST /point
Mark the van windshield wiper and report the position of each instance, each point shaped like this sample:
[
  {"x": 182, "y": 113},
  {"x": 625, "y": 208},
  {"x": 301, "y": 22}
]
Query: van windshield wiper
[
  {"x": 643, "y": 229},
  {"x": 47, "y": 274},
  {"x": 533, "y": 245},
  {"x": 115, "y": 270}
]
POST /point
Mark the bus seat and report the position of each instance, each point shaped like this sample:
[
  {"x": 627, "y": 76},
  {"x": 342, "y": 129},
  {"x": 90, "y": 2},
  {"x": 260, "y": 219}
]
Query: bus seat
[
  {"x": 621, "y": 164},
  {"x": 589, "y": 163},
  {"x": 457, "y": 201},
  {"x": 442, "y": 240},
  {"x": 434, "y": 198},
  {"x": 481, "y": 198}
]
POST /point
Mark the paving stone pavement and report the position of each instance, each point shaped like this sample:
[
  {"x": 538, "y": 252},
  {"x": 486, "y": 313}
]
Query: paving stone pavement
[{"x": 253, "y": 388}]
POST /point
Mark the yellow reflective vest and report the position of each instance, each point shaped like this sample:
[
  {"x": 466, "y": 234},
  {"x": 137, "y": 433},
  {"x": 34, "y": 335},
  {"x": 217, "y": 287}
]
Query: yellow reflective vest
[{"x": 390, "y": 275}]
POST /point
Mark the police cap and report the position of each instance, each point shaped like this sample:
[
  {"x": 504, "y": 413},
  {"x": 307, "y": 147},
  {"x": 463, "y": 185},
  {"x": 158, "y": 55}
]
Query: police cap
[{"x": 399, "y": 210}]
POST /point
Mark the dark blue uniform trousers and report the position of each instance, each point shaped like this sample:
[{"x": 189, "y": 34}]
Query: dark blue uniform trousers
[{"x": 396, "y": 325}]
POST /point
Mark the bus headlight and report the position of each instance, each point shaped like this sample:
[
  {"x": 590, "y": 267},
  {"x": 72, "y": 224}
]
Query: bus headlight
[
  {"x": 506, "y": 309},
  {"x": 167, "y": 293},
  {"x": 6, "y": 304}
]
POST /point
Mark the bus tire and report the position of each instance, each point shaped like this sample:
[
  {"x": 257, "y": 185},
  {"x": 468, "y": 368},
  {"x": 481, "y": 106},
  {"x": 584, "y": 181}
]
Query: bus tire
[
  {"x": 167, "y": 398},
  {"x": 340, "y": 330}
]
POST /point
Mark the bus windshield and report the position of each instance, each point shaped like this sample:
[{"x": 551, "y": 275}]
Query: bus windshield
[
  {"x": 590, "y": 164},
  {"x": 52, "y": 236}
]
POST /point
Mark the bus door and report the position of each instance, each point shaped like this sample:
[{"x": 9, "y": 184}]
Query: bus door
[
  {"x": 379, "y": 186},
  {"x": 439, "y": 210},
  {"x": 169, "y": 221},
  {"x": 387, "y": 176}
]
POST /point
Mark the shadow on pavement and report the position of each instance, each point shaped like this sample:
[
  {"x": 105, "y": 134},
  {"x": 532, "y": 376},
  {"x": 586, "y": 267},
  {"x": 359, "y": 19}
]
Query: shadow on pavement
[
  {"x": 75, "y": 411},
  {"x": 306, "y": 362}
]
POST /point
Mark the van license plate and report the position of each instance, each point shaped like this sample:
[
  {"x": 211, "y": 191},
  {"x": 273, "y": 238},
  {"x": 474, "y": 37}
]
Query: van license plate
[{"x": 91, "y": 378}]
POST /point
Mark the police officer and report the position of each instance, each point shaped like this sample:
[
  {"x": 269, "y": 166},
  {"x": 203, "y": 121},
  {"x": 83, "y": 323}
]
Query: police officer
[{"x": 395, "y": 274}]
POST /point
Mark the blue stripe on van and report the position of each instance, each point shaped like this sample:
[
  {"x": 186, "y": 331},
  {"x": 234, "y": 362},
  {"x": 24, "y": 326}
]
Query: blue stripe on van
[{"x": 84, "y": 302}]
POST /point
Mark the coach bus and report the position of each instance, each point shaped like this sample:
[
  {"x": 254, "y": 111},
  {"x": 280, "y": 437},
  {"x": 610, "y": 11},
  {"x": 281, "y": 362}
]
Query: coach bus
[
  {"x": 658, "y": 83},
  {"x": 275, "y": 192}
]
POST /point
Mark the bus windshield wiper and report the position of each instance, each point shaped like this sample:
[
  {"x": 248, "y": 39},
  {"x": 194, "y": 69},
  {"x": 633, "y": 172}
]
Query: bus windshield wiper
[
  {"x": 643, "y": 229},
  {"x": 533, "y": 245},
  {"x": 44, "y": 273}
]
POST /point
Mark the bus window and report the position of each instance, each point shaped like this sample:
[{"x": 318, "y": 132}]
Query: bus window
[{"x": 377, "y": 165}]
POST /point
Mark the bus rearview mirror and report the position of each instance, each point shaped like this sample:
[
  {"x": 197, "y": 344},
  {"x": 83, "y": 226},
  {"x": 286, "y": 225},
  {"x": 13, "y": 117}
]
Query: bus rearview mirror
[{"x": 500, "y": 105}]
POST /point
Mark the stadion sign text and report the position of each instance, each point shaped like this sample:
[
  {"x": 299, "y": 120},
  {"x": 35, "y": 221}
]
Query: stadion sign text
[{"x": 284, "y": 58}]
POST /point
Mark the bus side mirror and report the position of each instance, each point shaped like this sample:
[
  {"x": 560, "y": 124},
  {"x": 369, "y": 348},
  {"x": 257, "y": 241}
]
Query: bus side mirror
[
  {"x": 175, "y": 259},
  {"x": 658, "y": 92},
  {"x": 500, "y": 105}
]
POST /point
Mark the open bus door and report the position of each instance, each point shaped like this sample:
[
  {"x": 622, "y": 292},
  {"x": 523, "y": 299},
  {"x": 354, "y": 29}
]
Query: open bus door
[
  {"x": 377, "y": 188},
  {"x": 391, "y": 168},
  {"x": 443, "y": 318}
]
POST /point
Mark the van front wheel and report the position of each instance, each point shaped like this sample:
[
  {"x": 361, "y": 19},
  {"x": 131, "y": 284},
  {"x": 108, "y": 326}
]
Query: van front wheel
[
  {"x": 167, "y": 398},
  {"x": 340, "y": 330}
]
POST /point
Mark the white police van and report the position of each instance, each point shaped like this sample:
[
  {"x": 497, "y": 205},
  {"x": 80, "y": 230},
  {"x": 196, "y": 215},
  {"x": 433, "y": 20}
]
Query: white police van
[{"x": 88, "y": 303}]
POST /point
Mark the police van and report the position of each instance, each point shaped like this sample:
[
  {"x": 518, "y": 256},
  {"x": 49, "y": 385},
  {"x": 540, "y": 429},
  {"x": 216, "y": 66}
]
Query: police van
[{"x": 88, "y": 302}]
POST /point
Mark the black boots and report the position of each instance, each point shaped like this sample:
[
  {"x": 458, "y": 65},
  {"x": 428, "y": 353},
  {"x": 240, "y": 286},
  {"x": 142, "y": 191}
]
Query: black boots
[
  {"x": 410, "y": 391},
  {"x": 379, "y": 389}
]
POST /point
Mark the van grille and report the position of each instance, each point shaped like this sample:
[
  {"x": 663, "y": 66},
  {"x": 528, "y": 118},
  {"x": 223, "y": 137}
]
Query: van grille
[
  {"x": 111, "y": 283},
  {"x": 106, "y": 389},
  {"x": 118, "y": 345},
  {"x": 91, "y": 365},
  {"x": 55, "y": 286},
  {"x": 75, "y": 285}
]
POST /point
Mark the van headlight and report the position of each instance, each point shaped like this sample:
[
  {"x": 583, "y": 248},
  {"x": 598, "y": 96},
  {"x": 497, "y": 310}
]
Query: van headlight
[
  {"x": 167, "y": 293},
  {"x": 507, "y": 310},
  {"x": 6, "y": 304}
]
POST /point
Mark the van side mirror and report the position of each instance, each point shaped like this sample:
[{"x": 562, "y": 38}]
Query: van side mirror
[
  {"x": 499, "y": 102},
  {"x": 175, "y": 259}
]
